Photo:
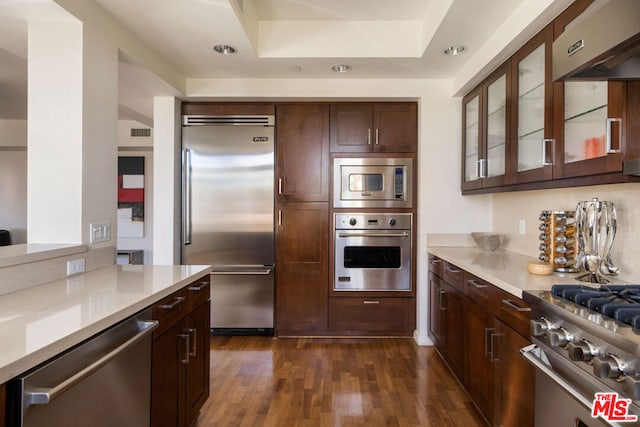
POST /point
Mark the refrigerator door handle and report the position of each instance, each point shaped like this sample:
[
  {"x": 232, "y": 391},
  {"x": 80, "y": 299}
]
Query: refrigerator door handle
[
  {"x": 243, "y": 270},
  {"x": 186, "y": 197}
]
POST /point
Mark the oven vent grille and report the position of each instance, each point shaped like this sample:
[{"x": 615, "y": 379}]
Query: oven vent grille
[{"x": 250, "y": 120}]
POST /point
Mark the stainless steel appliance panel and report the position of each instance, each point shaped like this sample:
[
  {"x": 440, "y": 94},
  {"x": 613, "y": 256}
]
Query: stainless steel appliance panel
[
  {"x": 372, "y": 252},
  {"x": 229, "y": 195},
  {"x": 228, "y": 212},
  {"x": 243, "y": 299},
  {"x": 372, "y": 182},
  {"x": 106, "y": 381}
]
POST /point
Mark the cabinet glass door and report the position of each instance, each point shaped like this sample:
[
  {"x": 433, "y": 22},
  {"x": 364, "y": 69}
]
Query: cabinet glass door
[
  {"x": 496, "y": 127},
  {"x": 531, "y": 111},
  {"x": 585, "y": 120},
  {"x": 472, "y": 139}
]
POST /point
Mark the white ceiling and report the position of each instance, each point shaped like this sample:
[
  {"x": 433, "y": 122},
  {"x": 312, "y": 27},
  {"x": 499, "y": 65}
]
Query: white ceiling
[{"x": 275, "y": 39}]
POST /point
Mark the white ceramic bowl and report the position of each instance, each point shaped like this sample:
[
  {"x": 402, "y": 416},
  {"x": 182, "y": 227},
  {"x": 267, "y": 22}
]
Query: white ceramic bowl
[{"x": 487, "y": 241}]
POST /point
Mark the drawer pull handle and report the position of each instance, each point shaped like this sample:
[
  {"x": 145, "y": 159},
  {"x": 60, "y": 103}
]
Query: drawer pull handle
[
  {"x": 513, "y": 306},
  {"x": 436, "y": 261},
  {"x": 372, "y": 302},
  {"x": 453, "y": 270},
  {"x": 174, "y": 304},
  {"x": 199, "y": 287},
  {"x": 476, "y": 284}
]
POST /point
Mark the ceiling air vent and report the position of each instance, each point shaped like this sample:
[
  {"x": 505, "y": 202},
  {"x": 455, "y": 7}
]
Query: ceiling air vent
[{"x": 140, "y": 132}]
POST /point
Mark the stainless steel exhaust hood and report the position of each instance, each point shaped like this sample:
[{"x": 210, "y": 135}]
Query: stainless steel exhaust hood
[{"x": 603, "y": 43}]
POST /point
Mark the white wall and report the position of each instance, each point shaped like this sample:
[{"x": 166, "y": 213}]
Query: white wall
[
  {"x": 13, "y": 179},
  {"x": 509, "y": 208}
]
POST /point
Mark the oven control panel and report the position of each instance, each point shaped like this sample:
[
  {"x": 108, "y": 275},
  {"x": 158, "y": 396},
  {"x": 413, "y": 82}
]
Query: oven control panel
[{"x": 373, "y": 221}]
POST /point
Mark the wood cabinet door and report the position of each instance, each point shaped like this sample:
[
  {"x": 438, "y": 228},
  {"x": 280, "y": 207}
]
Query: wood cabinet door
[
  {"x": 3, "y": 404},
  {"x": 393, "y": 316},
  {"x": 395, "y": 127},
  {"x": 454, "y": 329},
  {"x": 478, "y": 367},
  {"x": 302, "y": 275},
  {"x": 436, "y": 312},
  {"x": 197, "y": 382},
  {"x": 302, "y": 146},
  {"x": 532, "y": 112},
  {"x": 515, "y": 378},
  {"x": 169, "y": 353},
  {"x": 351, "y": 128}
]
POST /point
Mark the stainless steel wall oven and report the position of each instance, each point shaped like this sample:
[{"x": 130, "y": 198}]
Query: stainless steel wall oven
[{"x": 372, "y": 251}]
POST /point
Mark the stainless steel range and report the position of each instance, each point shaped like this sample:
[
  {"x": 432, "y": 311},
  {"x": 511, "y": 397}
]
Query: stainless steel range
[{"x": 586, "y": 340}]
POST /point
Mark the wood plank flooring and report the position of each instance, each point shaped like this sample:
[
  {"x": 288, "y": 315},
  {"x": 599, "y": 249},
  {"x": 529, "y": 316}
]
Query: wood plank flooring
[{"x": 264, "y": 381}]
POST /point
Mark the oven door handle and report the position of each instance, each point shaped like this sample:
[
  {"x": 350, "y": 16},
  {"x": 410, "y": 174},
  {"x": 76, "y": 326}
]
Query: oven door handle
[
  {"x": 364, "y": 234},
  {"x": 532, "y": 352}
]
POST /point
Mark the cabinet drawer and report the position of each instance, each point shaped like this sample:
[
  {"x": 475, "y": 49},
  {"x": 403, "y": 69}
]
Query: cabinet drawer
[
  {"x": 171, "y": 309},
  {"x": 513, "y": 311},
  {"x": 435, "y": 265},
  {"x": 478, "y": 290},
  {"x": 372, "y": 314},
  {"x": 453, "y": 276},
  {"x": 199, "y": 291}
]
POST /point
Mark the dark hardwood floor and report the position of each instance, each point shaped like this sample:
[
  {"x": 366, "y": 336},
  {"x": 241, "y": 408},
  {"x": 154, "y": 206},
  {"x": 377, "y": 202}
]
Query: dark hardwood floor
[{"x": 264, "y": 381}]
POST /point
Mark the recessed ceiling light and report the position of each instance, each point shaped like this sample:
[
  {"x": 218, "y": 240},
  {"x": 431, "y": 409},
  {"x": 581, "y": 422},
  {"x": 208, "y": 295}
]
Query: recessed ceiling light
[
  {"x": 341, "y": 68},
  {"x": 225, "y": 49},
  {"x": 453, "y": 50}
]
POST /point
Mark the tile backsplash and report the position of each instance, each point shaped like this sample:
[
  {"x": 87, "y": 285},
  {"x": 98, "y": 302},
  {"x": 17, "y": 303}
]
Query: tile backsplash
[{"x": 510, "y": 208}]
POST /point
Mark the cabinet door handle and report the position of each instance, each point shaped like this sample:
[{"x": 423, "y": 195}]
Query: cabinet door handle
[
  {"x": 371, "y": 302},
  {"x": 198, "y": 287},
  {"x": 441, "y": 299},
  {"x": 544, "y": 152},
  {"x": 279, "y": 185},
  {"x": 495, "y": 338},
  {"x": 610, "y": 149},
  {"x": 515, "y": 307},
  {"x": 453, "y": 270},
  {"x": 377, "y": 136},
  {"x": 476, "y": 284},
  {"x": 369, "y": 136},
  {"x": 280, "y": 217},
  {"x": 487, "y": 336},
  {"x": 174, "y": 304},
  {"x": 192, "y": 337},
  {"x": 185, "y": 337}
]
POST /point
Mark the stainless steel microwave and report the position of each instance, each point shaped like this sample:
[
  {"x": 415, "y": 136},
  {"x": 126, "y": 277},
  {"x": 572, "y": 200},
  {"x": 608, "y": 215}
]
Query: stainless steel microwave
[{"x": 372, "y": 182}]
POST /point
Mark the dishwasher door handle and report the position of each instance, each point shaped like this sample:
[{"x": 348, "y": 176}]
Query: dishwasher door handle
[{"x": 42, "y": 396}]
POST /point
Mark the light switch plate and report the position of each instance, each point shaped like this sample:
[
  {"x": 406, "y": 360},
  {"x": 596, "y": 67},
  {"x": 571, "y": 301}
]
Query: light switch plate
[{"x": 99, "y": 232}]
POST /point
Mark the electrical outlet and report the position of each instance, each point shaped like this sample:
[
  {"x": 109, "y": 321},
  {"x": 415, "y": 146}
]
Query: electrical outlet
[
  {"x": 75, "y": 266},
  {"x": 522, "y": 226}
]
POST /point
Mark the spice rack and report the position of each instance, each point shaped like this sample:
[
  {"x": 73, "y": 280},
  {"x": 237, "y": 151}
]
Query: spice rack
[{"x": 558, "y": 240}]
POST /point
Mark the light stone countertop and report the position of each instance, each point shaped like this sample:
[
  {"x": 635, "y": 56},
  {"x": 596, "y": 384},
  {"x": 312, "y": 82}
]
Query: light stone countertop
[
  {"x": 40, "y": 322},
  {"x": 504, "y": 269}
]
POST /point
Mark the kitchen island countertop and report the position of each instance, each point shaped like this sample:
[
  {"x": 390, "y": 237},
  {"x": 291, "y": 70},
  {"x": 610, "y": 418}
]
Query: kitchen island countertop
[
  {"x": 504, "y": 269},
  {"x": 40, "y": 322}
]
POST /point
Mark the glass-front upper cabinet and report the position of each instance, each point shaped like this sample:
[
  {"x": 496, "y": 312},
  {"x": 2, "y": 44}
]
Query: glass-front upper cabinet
[
  {"x": 486, "y": 132},
  {"x": 471, "y": 140},
  {"x": 533, "y": 110}
]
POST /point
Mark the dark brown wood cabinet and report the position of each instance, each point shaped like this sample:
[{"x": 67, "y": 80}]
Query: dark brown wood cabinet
[
  {"x": 366, "y": 315},
  {"x": 483, "y": 348},
  {"x": 302, "y": 146},
  {"x": 302, "y": 277},
  {"x": 180, "y": 355},
  {"x": 3, "y": 405},
  {"x": 389, "y": 127}
]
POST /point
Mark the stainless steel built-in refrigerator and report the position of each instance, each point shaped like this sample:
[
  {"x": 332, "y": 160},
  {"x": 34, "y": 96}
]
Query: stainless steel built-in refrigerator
[{"x": 227, "y": 215}]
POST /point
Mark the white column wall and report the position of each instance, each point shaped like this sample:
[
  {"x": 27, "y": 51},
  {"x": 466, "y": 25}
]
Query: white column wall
[
  {"x": 54, "y": 195},
  {"x": 166, "y": 180}
]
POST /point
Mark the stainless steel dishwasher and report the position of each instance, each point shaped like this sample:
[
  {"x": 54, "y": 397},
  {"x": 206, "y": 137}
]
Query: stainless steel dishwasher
[{"x": 104, "y": 381}]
